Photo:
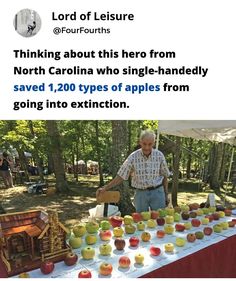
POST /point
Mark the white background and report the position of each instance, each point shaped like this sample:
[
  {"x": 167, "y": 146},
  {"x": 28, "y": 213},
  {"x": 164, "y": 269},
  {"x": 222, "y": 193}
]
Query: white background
[{"x": 200, "y": 32}]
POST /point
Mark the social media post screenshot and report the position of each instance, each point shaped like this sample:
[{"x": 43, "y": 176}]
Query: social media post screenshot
[{"x": 117, "y": 139}]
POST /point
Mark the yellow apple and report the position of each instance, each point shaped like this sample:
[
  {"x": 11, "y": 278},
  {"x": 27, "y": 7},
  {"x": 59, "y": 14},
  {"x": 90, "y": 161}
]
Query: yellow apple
[
  {"x": 205, "y": 220},
  {"x": 180, "y": 242},
  {"x": 168, "y": 228},
  {"x": 169, "y": 247},
  {"x": 90, "y": 239},
  {"x": 139, "y": 258},
  {"x": 169, "y": 219},
  {"x": 188, "y": 225},
  {"x": 118, "y": 232},
  {"x": 151, "y": 223}
]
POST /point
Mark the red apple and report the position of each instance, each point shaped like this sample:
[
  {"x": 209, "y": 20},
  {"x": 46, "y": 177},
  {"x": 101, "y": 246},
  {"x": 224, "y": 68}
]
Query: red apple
[
  {"x": 154, "y": 215},
  {"x": 179, "y": 227},
  {"x": 124, "y": 262},
  {"x": 47, "y": 267},
  {"x": 210, "y": 217},
  {"x": 119, "y": 244},
  {"x": 228, "y": 212},
  {"x": 116, "y": 221},
  {"x": 193, "y": 214},
  {"x": 216, "y": 216},
  {"x": 136, "y": 217},
  {"x": 85, "y": 274},
  {"x": 160, "y": 221},
  {"x": 105, "y": 235},
  {"x": 134, "y": 241},
  {"x": 194, "y": 206},
  {"x": 155, "y": 251},
  {"x": 196, "y": 222},
  {"x": 191, "y": 237},
  {"x": 105, "y": 269},
  {"x": 71, "y": 259},
  {"x": 232, "y": 223},
  {"x": 207, "y": 230},
  {"x": 160, "y": 233}
]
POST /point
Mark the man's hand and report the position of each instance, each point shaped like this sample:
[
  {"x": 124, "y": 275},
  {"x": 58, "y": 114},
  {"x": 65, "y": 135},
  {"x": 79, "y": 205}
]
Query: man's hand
[{"x": 100, "y": 191}]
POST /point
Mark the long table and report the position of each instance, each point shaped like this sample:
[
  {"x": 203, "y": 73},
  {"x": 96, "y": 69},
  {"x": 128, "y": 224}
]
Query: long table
[{"x": 213, "y": 256}]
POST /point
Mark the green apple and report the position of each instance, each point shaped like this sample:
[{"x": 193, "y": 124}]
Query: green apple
[
  {"x": 184, "y": 208},
  {"x": 206, "y": 211},
  {"x": 177, "y": 217},
  {"x": 212, "y": 209},
  {"x": 199, "y": 212},
  {"x": 221, "y": 214},
  {"x": 199, "y": 235},
  {"x": 79, "y": 230},
  {"x": 217, "y": 228},
  {"x": 168, "y": 228},
  {"x": 75, "y": 242},
  {"x": 146, "y": 215},
  {"x": 188, "y": 225},
  {"x": 170, "y": 211},
  {"x": 92, "y": 227},
  {"x": 118, "y": 231},
  {"x": 162, "y": 213},
  {"x": 205, "y": 220},
  {"x": 169, "y": 219},
  {"x": 130, "y": 229},
  {"x": 141, "y": 225},
  {"x": 88, "y": 253},
  {"x": 128, "y": 220},
  {"x": 151, "y": 223},
  {"x": 91, "y": 239},
  {"x": 105, "y": 249},
  {"x": 105, "y": 225},
  {"x": 224, "y": 225},
  {"x": 180, "y": 242}
]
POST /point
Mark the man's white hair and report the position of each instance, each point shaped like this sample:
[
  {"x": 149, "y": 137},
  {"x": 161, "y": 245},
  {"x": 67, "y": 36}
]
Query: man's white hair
[{"x": 147, "y": 134}]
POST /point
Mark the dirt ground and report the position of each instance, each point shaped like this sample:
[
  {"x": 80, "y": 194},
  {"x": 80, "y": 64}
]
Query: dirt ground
[{"x": 74, "y": 206}]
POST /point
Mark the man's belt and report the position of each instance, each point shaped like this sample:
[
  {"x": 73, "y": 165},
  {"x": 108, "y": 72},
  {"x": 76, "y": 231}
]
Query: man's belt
[{"x": 149, "y": 188}]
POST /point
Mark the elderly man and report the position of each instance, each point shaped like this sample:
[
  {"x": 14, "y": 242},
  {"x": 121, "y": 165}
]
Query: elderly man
[{"x": 149, "y": 175}]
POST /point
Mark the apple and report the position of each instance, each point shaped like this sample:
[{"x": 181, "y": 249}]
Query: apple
[
  {"x": 116, "y": 221},
  {"x": 220, "y": 208},
  {"x": 224, "y": 225},
  {"x": 221, "y": 214},
  {"x": 47, "y": 267},
  {"x": 119, "y": 244},
  {"x": 145, "y": 236},
  {"x": 212, "y": 209},
  {"x": 177, "y": 209},
  {"x": 141, "y": 225},
  {"x": 169, "y": 219},
  {"x": 79, "y": 230},
  {"x": 196, "y": 222},
  {"x": 228, "y": 212},
  {"x": 177, "y": 217},
  {"x": 199, "y": 212},
  {"x": 70, "y": 259},
  {"x": 151, "y": 223},
  {"x": 91, "y": 239},
  {"x": 205, "y": 221},
  {"x": 160, "y": 221},
  {"x": 204, "y": 204},
  {"x": 118, "y": 232},
  {"x": 136, "y": 217},
  {"x": 217, "y": 228},
  {"x": 194, "y": 206},
  {"x": 124, "y": 262},
  {"x": 188, "y": 225},
  {"x": 206, "y": 211},
  {"x": 139, "y": 258},
  {"x": 179, "y": 227},
  {"x": 154, "y": 215},
  {"x": 155, "y": 251},
  {"x": 128, "y": 220},
  {"x": 130, "y": 229},
  {"x": 185, "y": 208},
  {"x": 207, "y": 230},
  {"x": 192, "y": 215},
  {"x": 210, "y": 217},
  {"x": 105, "y": 249},
  {"x": 105, "y": 235},
  {"x": 92, "y": 227},
  {"x": 160, "y": 233},
  {"x": 180, "y": 242},
  {"x": 216, "y": 216},
  {"x": 170, "y": 211},
  {"x": 105, "y": 269},
  {"x": 24, "y": 275},
  {"x": 133, "y": 241},
  {"x": 88, "y": 253},
  {"x": 168, "y": 228},
  {"x": 232, "y": 223},
  {"x": 185, "y": 215},
  {"x": 85, "y": 274},
  {"x": 105, "y": 225},
  {"x": 162, "y": 213},
  {"x": 75, "y": 242},
  {"x": 169, "y": 247},
  {"x": 191, "y": 237},
  {"x": 199, "y": 235},
  {"x": 146, "y": 215}
]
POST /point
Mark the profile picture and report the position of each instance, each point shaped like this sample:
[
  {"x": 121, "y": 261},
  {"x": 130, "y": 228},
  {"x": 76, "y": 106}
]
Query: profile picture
[{"x": 27, "y": 23}]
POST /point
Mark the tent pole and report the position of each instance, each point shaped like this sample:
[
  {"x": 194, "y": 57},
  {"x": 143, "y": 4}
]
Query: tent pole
[
  {"x": 229, "y": 172},
  {"x": 157, "y": 139}
]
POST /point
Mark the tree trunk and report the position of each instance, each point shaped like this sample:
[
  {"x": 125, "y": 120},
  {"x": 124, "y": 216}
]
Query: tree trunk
[
  {"x": 216, "y": 166},
  {"x": 119, "y": 153},
  {"x": 23, "y": 163},
  {"x": 189, "y": 159},
  {"x": 175, "y": 182},
  {"x": 50, "y": 164},
  {"x": 223, "y": 165},
  {"x": 101, "y": 180},
  {"x": 56, "y": 152}
]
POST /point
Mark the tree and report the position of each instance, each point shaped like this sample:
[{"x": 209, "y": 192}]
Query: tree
[
  {"x": 216, "y": 162},
  {"x": 119, "y": 153},
  {"x": 56, "y": 151},
  {"x": 176, "y": 161},
  {"x": 189, "y": 158},
  {"x": 101, "y": 181}
]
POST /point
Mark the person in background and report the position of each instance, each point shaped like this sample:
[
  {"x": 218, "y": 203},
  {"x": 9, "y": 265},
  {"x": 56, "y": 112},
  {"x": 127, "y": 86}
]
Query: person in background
[
  {"x": 149, "y": 175},
  {"x": 5, "y": 170}
]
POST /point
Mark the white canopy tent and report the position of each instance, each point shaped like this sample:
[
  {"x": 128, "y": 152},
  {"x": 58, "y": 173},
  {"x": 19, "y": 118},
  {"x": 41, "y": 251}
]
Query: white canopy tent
[{"x": 211, "y": 130}]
